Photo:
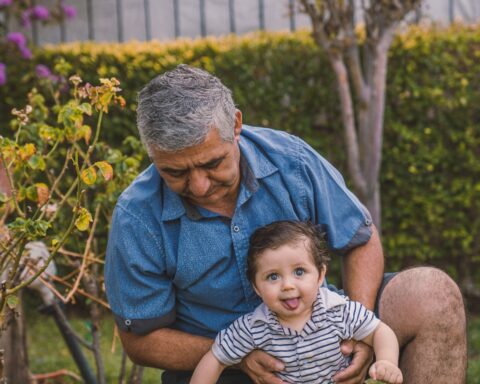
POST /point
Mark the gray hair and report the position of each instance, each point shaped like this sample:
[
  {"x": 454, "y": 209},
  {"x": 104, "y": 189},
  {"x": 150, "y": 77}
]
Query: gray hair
[{"x": 177, "y": 109}]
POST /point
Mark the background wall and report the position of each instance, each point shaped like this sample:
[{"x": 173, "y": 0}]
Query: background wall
[{"x": 123, "y": 20}]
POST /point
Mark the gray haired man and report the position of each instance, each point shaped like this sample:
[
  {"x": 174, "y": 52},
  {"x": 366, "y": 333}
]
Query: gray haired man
[{"x": 176, "y": 257}]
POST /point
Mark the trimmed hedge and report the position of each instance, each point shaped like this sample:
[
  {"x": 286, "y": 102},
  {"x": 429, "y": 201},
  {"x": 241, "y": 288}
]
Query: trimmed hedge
[{"x": 430, "y": 171}]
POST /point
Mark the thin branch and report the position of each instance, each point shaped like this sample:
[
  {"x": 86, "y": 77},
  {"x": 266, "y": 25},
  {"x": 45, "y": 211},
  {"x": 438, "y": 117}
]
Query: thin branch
[
  {"x": 85, "y": 255},
  {"x": 82, "y": 292}
]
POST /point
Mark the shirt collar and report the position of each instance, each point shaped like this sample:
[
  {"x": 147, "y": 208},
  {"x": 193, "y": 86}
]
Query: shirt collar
[
  {"x": 258, "y": 163},
  {"x": 253, "y": 166}
]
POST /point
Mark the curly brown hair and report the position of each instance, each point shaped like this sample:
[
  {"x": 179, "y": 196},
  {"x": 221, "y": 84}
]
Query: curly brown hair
[{"x": 279, "y": 233}]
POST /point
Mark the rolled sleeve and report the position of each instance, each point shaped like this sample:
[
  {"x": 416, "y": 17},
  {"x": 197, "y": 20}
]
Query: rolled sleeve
[
  {"x": 345, "y": 220},
  {"x": 138, "y": 289},
  {"x": 359, "y": 321},
  {"x": 234, "y": 343}
]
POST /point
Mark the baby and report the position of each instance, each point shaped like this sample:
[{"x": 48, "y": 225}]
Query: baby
[{"x": 300, "y": 322}]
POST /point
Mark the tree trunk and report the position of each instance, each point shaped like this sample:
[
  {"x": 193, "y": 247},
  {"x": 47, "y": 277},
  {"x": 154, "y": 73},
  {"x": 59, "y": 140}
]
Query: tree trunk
[{"x": 13, "y": 342}]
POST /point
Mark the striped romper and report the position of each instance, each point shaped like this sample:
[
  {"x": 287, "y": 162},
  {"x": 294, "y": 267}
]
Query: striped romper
[{"x": 310, "y": 356}]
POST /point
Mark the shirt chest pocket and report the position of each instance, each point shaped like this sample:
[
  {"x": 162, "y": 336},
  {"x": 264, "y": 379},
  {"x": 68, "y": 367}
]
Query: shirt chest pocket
[{"x": 203, "y": 253}]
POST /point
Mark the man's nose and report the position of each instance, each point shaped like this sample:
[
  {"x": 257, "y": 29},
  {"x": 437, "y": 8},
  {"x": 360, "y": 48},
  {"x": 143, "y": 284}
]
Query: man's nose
[{"x": 198, "y": 183}]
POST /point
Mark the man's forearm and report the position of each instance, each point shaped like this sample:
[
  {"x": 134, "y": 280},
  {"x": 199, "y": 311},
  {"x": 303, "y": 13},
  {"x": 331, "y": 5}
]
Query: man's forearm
[
  {"x": 166, "y": 348},
  {"x": 362, "y": 271}
]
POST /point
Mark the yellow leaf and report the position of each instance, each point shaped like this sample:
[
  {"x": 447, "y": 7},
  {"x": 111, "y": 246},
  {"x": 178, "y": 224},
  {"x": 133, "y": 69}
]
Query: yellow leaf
[
  {"x": 54, "y": 242},
  {"x": 83, "y": 220},
  {"x": 27, "y": 151},
  {"x": 89, "y": 175},
  {"x": 105, "y": 169}
]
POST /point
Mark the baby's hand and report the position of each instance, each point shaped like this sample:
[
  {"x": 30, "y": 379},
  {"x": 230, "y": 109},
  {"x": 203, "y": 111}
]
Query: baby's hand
[{"x": 384, "y": 370}]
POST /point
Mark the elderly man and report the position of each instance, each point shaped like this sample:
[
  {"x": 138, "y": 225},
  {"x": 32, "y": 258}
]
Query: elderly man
[{"x": 175, "y": 271}]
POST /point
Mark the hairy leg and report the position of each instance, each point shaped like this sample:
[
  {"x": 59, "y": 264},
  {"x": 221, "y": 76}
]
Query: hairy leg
[{"x": 425, "y": 309}]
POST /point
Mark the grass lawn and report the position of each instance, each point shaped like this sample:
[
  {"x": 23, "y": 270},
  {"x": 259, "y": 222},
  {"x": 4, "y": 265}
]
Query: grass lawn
[{"x": 47, "y": 350}]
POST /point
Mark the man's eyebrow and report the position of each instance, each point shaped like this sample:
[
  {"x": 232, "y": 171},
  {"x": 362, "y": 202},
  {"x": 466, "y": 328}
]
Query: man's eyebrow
[
  {"x": 213, "y": 161},
  {"x": 209, "y": 162}
]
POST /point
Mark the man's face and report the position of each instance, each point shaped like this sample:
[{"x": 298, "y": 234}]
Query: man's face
[{"x": 207, "y": 174}]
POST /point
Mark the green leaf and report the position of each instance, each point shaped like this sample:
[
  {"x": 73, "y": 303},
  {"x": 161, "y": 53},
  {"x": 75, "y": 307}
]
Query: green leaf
[
  {"x": 89, "y": 175},
  {"x": 12, "y": 301},
  {"x": 37, "y": 162},
  {"x": 85, "y": 108},
  {"x": 3, "y": 197},
  {"x": 55, "y": 242},
  {"x": 31, "y": 193},
  {"x": 83, "y": 220}
]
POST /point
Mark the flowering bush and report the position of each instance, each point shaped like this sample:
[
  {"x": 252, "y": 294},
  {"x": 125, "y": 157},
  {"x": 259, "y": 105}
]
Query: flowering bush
[{"x": 27, "y": 12}]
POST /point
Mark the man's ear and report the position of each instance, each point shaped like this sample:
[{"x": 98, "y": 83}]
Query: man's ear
[
  {"x": 323, "y": 272},
  {"x": 238, "y": 124},
  {"x": 255, "y": 288}
]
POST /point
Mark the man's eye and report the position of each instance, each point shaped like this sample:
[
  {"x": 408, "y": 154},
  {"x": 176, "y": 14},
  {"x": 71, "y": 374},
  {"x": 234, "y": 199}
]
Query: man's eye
[
  {"x": 212, "y": 165},
  {"x": 299, "y": 271},
  {"x": 172, "y": 173},
  {"x": 273, "y": 276}
]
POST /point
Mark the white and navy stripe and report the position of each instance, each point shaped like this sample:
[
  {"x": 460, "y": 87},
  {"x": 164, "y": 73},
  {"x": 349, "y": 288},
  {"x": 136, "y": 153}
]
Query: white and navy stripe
[{"x": 310, "y": 356}]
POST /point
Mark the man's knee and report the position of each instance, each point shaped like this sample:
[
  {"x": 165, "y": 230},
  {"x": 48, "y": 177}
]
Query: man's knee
[{"x": 422, "y": 297}]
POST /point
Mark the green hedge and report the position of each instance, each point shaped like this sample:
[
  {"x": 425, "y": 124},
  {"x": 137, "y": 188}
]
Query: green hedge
[{"x": 431, "y": 167}]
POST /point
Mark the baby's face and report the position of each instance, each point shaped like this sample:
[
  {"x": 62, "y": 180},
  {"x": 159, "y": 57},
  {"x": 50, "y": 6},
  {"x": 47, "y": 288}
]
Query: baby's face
[{"x": 288, "y": 280}]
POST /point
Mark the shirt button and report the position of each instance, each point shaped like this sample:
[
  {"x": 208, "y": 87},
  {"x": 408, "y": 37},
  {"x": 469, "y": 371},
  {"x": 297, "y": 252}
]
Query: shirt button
[
  {"x": 236, "y": 228},
  {"x": 128, "y": 322},
  {"x": 368, "y": 221}
]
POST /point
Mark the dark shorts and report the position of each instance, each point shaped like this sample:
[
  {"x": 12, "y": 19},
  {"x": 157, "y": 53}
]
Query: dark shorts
[{"x": 235, "y": 376}]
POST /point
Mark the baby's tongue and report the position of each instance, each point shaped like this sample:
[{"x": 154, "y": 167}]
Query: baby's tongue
[{"x": 291, "y": 303}]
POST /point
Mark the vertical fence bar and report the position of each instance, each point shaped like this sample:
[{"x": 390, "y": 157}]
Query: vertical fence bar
[
  {"x": 63, "y": 32},
  {"x": 451, "y": 11},
  {"x": 148, "y": 20},
  {"x": 91, "y": 29},
  {"x": 231, "y": 13},
  {"x": 291, "y": 12},
  {"x": 34, "y": 27},
  {"x": 176, "y": 17},
  {"x": 261, "y": 14},
  {"x": 119, "y": 21},
  {"x": 203, "y": 25}
]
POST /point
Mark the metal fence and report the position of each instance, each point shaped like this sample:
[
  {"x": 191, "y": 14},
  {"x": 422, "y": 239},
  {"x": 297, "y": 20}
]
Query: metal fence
[{"x": 122, "y": 20}]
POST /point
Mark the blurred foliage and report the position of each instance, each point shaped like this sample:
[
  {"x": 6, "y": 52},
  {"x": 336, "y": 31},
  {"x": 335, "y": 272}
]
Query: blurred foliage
[{"x": 430, "y": 172}]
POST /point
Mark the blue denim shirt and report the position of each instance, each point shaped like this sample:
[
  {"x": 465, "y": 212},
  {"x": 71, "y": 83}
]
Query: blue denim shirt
[{"x": 171, "y": 264}]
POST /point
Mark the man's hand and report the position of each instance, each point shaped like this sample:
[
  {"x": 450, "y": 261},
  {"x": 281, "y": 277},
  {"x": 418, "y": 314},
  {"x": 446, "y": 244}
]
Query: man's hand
[
  {"x": 357, "y": 370},
  {"x": 261, "y": 367}
]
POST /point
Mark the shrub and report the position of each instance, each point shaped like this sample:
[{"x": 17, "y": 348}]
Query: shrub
[{"x": 430, "y": 173}]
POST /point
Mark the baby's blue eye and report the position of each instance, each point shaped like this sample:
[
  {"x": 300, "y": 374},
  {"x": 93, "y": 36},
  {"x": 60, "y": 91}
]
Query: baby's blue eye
[
  {"x": 272, "y": 276},
  {"x": 299, "y": 272}
]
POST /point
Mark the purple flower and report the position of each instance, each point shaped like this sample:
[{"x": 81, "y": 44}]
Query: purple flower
[
  {"x": 69, "y": 11},
  {"x": 18, "y": 38},
  {"x": 43, "y": 71},
  {"x": 40, "y": 12},
  {"x": 25, "y": 52},
  {"x": 5, "y": 3},
  {"x": 3, "y": 74}
]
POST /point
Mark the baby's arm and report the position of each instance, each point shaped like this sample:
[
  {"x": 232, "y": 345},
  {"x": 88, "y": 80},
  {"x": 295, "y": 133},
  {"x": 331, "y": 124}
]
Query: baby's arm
[
  {"x": 208, "y": 370},
  {"x": 385, "y": 346}
]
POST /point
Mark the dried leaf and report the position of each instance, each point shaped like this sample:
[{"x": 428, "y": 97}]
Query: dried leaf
[
  {"x": 105, "y": 169},
  {"x": 43, "y": 193}
]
